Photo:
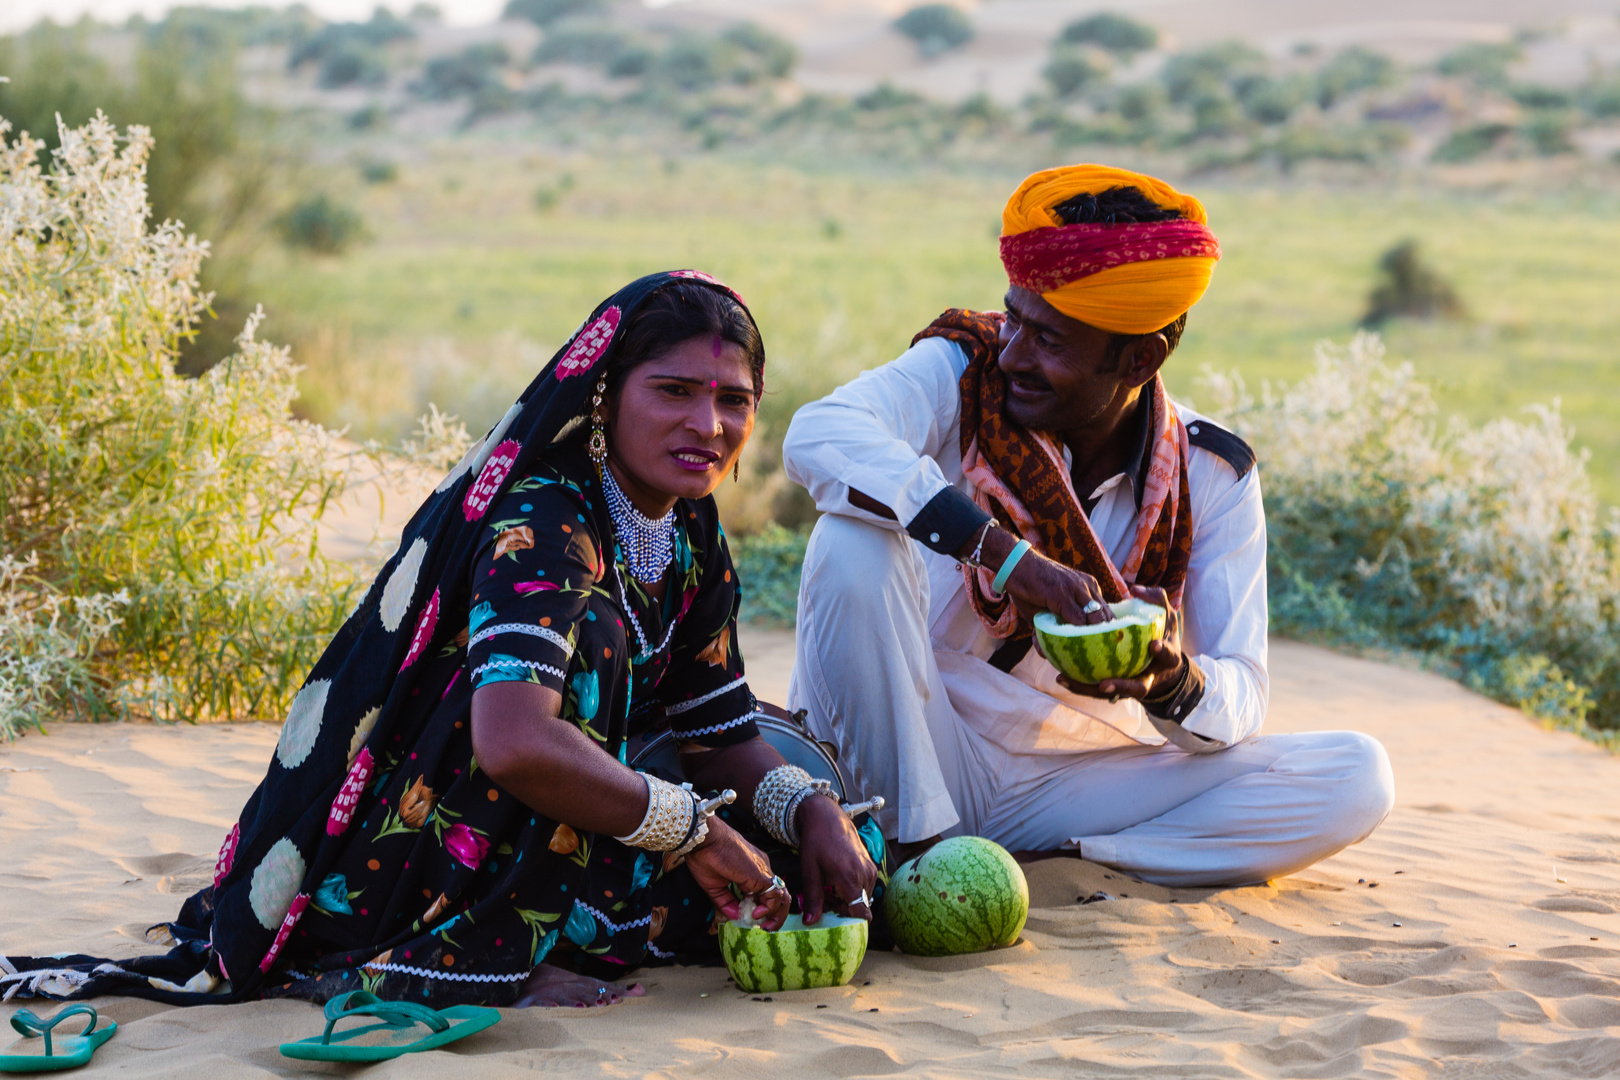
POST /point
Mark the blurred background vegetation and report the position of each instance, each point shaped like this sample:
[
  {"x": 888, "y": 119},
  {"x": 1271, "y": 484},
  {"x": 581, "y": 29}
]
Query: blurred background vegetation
[{"x": 426, "y": 210}]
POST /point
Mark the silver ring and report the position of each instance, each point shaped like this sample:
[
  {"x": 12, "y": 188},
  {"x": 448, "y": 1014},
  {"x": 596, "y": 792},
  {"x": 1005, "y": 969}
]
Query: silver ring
[
  {"x": 601, "y": 991},
  {"x": 1095, "y": 605},
  {"x": 863, "y": 900},
  {"x": 777, "y": 885}
]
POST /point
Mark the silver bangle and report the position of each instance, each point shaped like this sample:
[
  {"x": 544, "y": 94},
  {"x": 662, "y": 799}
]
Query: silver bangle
[
  {"x": 669, "y": 823},
  {"x": 777, "y": 800}
]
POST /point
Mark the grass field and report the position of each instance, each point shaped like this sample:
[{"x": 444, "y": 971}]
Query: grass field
[{"x": 467, "y": 283}]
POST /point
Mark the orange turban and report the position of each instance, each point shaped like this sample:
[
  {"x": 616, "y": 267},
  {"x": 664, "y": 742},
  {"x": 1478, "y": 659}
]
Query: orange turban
[{"x": 1126, "y": 279}]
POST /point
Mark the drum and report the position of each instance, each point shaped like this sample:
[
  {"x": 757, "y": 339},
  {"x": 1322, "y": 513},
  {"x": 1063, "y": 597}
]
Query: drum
[{"x": 661, "y": 757}]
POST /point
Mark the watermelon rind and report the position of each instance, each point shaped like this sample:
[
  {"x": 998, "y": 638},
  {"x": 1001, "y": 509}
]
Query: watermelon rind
[
  {"x": 1110, "y": 650},
  {"x": 963, "y": 895},
  {"x": 796, "y": 957}
]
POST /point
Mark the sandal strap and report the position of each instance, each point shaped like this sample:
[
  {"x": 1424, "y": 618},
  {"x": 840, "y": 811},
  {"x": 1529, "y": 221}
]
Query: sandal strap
[
  {"x": 396, "y": 1013},
  {"x": 32, "y": 1027}
]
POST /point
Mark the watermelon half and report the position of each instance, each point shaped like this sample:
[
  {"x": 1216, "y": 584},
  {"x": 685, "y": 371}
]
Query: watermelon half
[
  {"x": 796, "y": 957},
  {"x": 963, "y": 895},
  {"x": 1110, "y": 650}
]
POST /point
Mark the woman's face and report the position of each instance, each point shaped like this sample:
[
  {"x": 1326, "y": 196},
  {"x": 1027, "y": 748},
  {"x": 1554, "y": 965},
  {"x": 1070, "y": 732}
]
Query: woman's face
[{"x": 678, "y": 423}]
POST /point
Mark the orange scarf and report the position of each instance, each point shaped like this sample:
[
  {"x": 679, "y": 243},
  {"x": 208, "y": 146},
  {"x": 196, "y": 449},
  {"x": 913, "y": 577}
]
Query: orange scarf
[{"x": 1020, "y": 477}]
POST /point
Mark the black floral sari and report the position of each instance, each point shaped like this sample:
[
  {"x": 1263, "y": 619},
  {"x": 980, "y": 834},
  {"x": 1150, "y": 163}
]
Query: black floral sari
[{"x": 375, "y": 854}]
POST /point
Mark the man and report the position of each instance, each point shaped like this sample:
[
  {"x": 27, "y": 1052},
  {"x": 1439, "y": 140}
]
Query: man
[{"x": 1050, "y": 425}]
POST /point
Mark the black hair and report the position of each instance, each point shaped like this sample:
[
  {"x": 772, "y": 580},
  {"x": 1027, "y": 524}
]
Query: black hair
[
  {"x": 677, "y": 313},
  {"x": 1121, "y": 206}
]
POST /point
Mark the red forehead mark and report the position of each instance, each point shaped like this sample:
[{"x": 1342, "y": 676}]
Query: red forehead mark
[
  {"x": 713, "y": 383},
  {"x": 719, "y": 342}
]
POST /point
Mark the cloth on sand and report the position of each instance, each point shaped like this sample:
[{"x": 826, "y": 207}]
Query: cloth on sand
[
  {"x": 1129, "y": 278},
  {"x": 1021, "y": 478},
  {"x": 375, "y": 854}
]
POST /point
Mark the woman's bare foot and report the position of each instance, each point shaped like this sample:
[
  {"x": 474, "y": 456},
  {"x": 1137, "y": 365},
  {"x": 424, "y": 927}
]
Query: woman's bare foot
[{"x": 549, "y": 985}]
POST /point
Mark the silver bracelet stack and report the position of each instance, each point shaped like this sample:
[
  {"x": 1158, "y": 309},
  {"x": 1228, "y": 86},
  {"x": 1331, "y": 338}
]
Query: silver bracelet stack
[
  {"x": 676, "y": 820},
  {"x": 778, "y": 797}
]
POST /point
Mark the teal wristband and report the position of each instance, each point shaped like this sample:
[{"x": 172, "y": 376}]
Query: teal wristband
[{"x": 1018, "y": 552}]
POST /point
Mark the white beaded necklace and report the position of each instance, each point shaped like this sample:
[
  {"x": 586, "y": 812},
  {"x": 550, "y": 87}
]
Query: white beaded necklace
[{"x": 649, "y": 546}]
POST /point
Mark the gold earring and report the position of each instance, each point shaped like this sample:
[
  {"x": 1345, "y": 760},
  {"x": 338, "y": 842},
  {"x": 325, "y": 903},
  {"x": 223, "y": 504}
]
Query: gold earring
[
  {"x": 736, "y": 471},
  {"x": 596, "y": 445}
]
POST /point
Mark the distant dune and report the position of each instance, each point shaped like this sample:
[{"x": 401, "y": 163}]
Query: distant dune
[{"x": 848, "y": 45}]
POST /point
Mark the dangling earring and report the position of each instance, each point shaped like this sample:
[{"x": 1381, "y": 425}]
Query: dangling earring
[
  {"x": 596, "y": 445},
  {"x": 736, "y": 471}
]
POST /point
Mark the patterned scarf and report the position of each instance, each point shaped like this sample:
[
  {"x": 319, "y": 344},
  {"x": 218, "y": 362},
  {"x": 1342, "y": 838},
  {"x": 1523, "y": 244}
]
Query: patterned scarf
[{"x": 1020, "y": 477}]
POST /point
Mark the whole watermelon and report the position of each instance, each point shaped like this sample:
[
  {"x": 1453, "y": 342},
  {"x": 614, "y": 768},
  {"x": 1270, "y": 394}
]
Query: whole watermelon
[
  {"x": 796, "y": 957},
  {"x": 1112, "y": 650},
  {"x": 962, "y": 895}
]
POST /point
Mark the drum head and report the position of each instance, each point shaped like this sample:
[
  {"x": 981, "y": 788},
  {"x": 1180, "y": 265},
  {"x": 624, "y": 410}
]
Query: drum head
[{"x": 661, "y": 756}]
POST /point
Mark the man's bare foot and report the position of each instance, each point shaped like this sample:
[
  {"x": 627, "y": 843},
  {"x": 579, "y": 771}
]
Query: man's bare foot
[{"x": 549, "y": 985}]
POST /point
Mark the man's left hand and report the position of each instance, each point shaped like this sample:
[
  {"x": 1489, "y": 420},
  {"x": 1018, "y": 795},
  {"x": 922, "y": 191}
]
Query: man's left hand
[{"x": 1166, "y": 657}]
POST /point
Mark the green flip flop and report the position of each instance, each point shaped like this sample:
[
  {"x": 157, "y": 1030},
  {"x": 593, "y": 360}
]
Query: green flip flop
[
  {"x": 396, "y": 1032},
  {"x": 60, "y": 1051}
]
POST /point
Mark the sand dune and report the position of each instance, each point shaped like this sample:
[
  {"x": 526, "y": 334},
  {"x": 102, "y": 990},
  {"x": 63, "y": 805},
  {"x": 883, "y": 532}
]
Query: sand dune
[{"x": 1484, "y": 941}]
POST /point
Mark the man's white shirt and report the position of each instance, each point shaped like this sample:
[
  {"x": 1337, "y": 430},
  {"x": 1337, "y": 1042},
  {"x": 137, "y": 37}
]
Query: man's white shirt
[{"x": 892, "y": 433}]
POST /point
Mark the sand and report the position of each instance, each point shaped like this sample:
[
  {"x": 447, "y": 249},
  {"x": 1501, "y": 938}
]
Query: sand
[{"x": 1485, "y": 940}]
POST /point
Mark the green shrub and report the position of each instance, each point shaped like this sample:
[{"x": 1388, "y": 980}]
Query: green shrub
[
  {"x": 165, "y": 520},
  {"x": 596, "y": 45},
  {"x": 1468, "y": 143},
  {"x": 1481, "y": 548},
  {"x": 1407, "y": 286},
  {"x": 1601, "y": 99},
  {"x": 1548, "y": 133},
  {"x": 772, "y": 57},
  {"x": 353, "y": 64},
  {"x": 1533, "y": 96},
  {"x": 379, "y": 172},
  {"x": 1111, "y": 31},
  {"x": 1072, "y": 70},
  {"x": 886, "y": 96},
  {"x": 1485, "y": 64},
  {"x": 768, "y": 564},
  {"x": 936, "y": 28},
  {"x": 475, "y": 68},
  {"x": 319, "y": 224},
  {"x": 1351, "y": 71},
  {"x": 356, "y": 38},
  {"x": 1214, "y": 68},
  {"x": 546, "y": 12},
  {"x": 1272, "y": 101}
]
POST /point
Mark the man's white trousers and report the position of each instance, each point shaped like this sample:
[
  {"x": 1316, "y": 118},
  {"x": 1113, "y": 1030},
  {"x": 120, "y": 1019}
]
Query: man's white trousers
[{"x": 868, "y": 677}]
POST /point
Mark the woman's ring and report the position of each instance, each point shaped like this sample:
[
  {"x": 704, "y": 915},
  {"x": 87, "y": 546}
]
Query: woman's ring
[
  {"x": 777, "y": 885},
  {"x": 601, "y": 991},
  {"x": 1095, "y": 605}
]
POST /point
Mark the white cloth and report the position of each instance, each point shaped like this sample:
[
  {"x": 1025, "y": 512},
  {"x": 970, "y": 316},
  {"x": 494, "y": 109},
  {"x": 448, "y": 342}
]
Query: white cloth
[
  {"x": 905, "y": 720},
  {"x": 892, "y": 433},
  {"x": 891, "y": 662}
]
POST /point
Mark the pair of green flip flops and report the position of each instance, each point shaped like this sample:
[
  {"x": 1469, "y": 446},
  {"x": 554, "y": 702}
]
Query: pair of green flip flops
[
  {"x": 60, "y": 1051},
  {"x": 394, "y": 1034}
]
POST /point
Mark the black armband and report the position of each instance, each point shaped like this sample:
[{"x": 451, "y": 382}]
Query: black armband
[
  {"x": 1181, "y": 696},
  {"x": 948, "y": 522}
]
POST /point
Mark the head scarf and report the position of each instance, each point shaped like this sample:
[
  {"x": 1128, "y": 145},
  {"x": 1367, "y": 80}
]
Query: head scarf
[{"x": 1125, "y": 279}]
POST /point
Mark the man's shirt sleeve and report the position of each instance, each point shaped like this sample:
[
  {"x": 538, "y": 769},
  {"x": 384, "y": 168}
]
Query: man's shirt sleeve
[
  {"x": 885, "y": 434},
  {"x": 1225, "y": 615}
]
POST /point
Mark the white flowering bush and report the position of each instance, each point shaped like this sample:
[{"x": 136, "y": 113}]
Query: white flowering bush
[
  {"x": 1481, "y": 547},
  {"x": 166, "y": 523}
]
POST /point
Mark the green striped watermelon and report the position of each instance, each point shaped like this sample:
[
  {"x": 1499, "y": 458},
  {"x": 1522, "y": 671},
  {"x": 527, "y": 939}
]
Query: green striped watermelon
[
  {"x": 963, "y": 895},
  {"x": 796, "y": 957},
  {"x": 1110, "y": 650}
]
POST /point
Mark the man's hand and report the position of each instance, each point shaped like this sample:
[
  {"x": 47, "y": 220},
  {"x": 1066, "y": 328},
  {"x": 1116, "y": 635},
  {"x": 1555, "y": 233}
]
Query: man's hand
[
  {"x": 1038, "y": 584},
  {"x": 1166, "y": 657},
  {"x": 834, "y": 862}
]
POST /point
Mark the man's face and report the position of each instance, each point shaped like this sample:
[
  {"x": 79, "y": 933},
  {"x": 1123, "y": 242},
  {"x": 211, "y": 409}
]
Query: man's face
[{"x": 1060, "y": 376}]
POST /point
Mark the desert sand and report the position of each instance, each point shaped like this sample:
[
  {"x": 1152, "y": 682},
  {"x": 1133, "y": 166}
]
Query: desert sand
[{"x": 1475, "y": 934}]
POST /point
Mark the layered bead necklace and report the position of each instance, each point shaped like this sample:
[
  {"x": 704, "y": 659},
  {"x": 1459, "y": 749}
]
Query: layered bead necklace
[{"x": 649, "y": 545}]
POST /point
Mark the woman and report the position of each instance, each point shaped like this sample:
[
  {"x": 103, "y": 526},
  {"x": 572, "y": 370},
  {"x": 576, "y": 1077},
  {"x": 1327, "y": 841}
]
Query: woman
[{"x": 448, "y": 814}]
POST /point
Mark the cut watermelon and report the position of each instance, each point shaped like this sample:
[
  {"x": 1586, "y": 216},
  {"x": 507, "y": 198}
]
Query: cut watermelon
[
  {"x": 796, "y": 957},
  {"x": 1110, "y": 650}
]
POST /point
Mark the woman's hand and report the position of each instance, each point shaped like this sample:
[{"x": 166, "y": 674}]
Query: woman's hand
[
  {"x": 725, "y": 859},
  {"x": 832, "y": 858}
]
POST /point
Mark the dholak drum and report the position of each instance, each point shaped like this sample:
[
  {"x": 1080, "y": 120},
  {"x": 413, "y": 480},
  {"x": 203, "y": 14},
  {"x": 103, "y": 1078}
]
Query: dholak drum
[{"x": 660, "y": 755}]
